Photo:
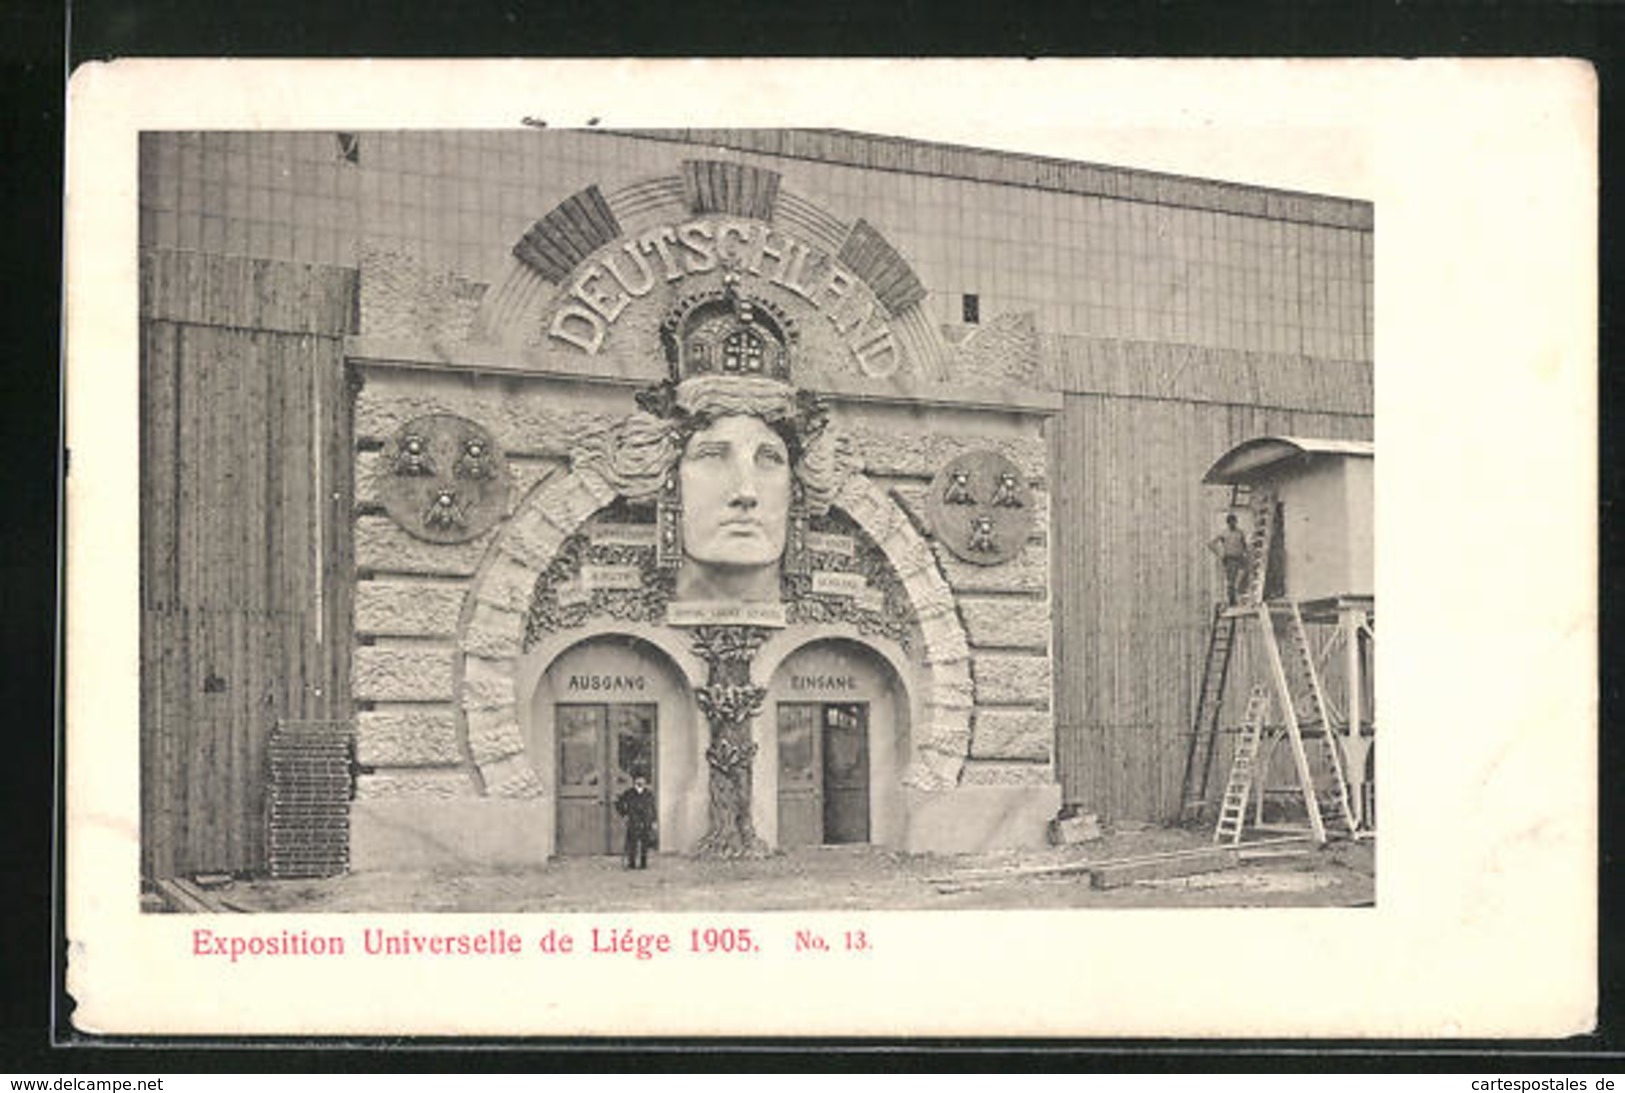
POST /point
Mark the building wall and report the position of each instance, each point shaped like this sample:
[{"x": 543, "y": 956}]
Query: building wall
[
  {"x": 1178, "y": 316},
  {"x": 414, "y": 598},
  {"x": 246, "y": 573},
  {"x": 1135, "y": 587},
  {"x": 1090, "y": 250}
]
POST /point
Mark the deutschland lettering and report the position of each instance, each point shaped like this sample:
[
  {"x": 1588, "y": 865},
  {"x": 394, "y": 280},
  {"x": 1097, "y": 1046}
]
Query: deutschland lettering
[{"x": 601, "y": 291}]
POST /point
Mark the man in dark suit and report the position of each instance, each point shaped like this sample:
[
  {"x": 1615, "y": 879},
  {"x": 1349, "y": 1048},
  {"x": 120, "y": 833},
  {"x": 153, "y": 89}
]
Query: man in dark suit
[{"x": 638, "y": 806}]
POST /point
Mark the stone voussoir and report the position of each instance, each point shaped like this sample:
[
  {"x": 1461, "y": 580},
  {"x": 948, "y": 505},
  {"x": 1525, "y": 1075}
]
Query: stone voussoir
[
  {"x": 911, "y": 496},
  {"x": 942, "y": 767},
  {"x": 576, "y": 499},
  {"x": 865, "y": 504},
  {"x": 493, "y": 735},
  {"x": 596, "y": 486},
  {"x": 919, "y": 776},
  {"x": 531, "y": 539},
  {"x": 946, "y": 741},
  {"x": 506, "y": 584},
  {"x": 947, "y": 718},
  {"x": 487, "y": 684},
  {"x": 951, "y": 684},
  {"x": 898, "y": 536},
  {"x": 511, "y": 777},
  {"x": 945, "y": 644},
  {"x": 929, "y": 595},
  {"x": 493, "y": 632}
]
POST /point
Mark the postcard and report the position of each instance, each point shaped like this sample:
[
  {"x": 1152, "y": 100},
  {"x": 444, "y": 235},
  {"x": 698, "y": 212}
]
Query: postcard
[{"x": 860, "y": 548}]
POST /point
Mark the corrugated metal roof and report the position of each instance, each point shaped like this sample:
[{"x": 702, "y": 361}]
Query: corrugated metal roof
[
  {"x": 889, "y": 153},
  {"x": 1250, "y": 458}
]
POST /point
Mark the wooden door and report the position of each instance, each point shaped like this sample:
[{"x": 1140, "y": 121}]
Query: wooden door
[
  {"x": 846, "y": 772},
  {"x": 801, "y": 809},
  {"x": 583, "y": 780},
  {"x": 600, "y": 748}
]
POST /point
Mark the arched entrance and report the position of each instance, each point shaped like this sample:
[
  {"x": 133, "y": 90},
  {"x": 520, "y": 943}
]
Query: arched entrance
[
  {"x": 606, "y": 709},
  {"x": 834, "y": 739}
]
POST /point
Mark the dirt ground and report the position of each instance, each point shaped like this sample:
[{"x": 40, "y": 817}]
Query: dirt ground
[{"x": 840, "y": 878}]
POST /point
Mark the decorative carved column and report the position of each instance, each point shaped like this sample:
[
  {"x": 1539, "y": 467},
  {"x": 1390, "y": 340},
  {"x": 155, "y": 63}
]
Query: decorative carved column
[{"x": 730, "y": 700}]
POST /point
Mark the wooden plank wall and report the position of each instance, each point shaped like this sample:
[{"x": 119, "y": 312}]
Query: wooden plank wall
[
  {"x": 1134, "y": 583},
  {"x": 245, "y": 553}
]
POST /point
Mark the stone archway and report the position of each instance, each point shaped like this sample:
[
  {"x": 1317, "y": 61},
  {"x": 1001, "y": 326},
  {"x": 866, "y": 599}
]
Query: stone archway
[
  {"x": 590, "y": 680},
  {"x": 873, "y": 673},
  {"x": 490, "y": 640}
]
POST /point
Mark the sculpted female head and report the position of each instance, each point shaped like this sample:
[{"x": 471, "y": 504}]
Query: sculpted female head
[
  {"x": 737, "y": 460},
  {"x": 729, "y": 440},
  {"x": 734, "y": 475}
]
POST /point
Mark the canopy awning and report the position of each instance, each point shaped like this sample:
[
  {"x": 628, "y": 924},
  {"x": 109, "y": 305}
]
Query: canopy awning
[{"x": 1252, "y": 459}]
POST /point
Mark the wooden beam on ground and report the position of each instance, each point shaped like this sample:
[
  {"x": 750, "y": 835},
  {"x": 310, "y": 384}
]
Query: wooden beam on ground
[
  {"x": 1017, "y": 872},
  {"x": 185, "y": 897},
  {"x": 1276, "y": 852},
  {"x": 1211, "y": 860}
]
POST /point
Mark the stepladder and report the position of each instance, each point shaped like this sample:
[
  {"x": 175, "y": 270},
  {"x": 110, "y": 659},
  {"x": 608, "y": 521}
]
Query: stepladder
[
  {"x": 1238, "y": 788},
  {"x": 1294, "y": 686}
]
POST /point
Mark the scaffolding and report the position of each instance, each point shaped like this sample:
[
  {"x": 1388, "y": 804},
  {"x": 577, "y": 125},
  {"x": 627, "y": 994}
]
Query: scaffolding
[{"x": 1289, "y": 700}]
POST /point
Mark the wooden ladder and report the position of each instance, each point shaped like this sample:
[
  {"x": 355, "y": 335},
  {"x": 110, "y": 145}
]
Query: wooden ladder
[
  {"x": 1199, "y": 752},
  {"x": 1258, "y": 544},
  {"x": 1233, "y": 808}
]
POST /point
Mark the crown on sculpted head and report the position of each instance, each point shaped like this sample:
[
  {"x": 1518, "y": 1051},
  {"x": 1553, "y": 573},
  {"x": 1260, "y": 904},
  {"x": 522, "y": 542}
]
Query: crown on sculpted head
[{"x": 721, "y": 332}]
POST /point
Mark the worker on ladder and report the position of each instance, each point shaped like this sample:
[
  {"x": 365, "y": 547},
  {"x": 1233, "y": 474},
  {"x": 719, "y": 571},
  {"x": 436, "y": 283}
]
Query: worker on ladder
[{"x": 1230, "y": 547}]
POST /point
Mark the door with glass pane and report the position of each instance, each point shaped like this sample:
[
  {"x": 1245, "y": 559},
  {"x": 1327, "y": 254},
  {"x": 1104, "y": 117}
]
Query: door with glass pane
[
  {"x": 601, "y": 747},
  {"x": 846, "y": 772},
  {"x": 801, "y": 806},
  {"x": 823, "y": 773}
]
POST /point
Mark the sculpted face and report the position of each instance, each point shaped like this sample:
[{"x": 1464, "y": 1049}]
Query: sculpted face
[{"x": 735, "y": 480}]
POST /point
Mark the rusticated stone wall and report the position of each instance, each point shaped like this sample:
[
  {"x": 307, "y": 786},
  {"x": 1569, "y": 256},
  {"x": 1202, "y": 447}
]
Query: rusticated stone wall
[{"x": 438, "y": 626}]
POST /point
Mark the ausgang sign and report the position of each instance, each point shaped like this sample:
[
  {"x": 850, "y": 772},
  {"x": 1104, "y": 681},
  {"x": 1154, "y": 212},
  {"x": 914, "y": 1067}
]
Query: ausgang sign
[{"x": 603, "y": 286}]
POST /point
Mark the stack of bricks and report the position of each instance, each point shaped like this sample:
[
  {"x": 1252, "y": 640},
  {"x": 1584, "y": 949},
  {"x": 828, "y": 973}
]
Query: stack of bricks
[{"x": 309, "y": 799}]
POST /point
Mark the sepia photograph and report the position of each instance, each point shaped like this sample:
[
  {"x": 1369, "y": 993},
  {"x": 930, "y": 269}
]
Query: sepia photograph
[
  {"x": 807, "y": 518},
  {"x": 772, "y": 549}
]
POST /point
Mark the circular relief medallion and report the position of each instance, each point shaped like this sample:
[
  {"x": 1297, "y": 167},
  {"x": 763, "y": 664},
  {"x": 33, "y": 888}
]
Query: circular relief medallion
[
  {"x": 981, "y": 508},
  {"x": 444, "y": 478}
]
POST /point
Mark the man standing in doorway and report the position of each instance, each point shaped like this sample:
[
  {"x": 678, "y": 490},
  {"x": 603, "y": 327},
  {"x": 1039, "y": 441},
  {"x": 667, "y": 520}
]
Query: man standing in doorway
[
  {"x": 1230, "y": 547},
  {"x": 638, "y": 806}
]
